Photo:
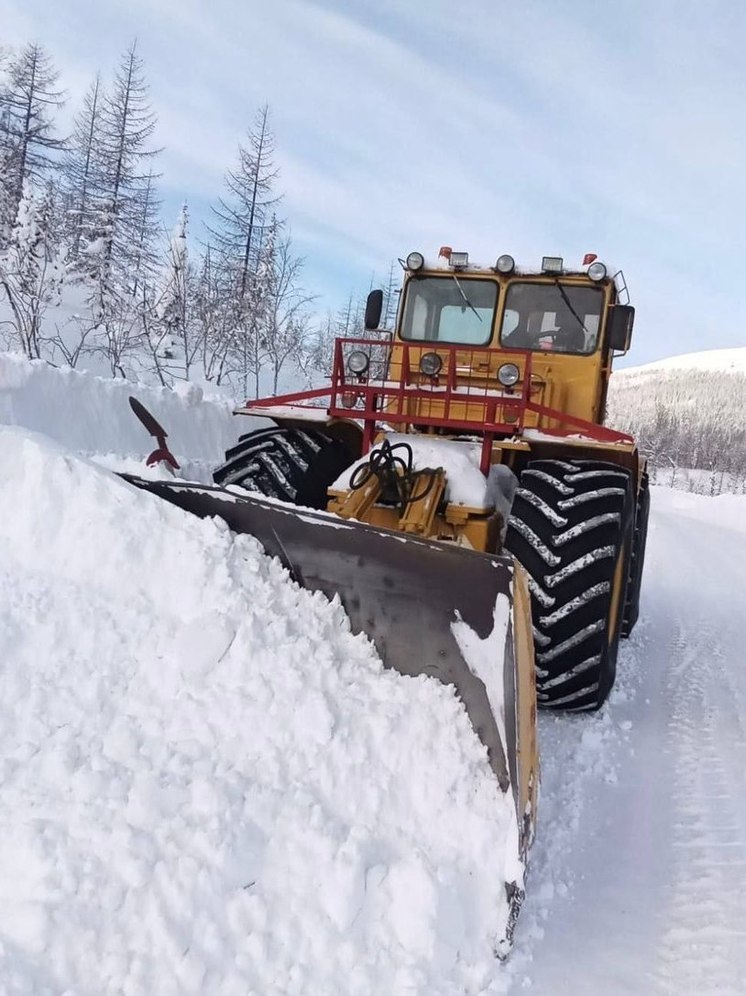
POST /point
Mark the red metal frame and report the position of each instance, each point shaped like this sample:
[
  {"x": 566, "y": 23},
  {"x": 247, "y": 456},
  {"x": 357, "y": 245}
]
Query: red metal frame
[{"x": 381, "y": 399}]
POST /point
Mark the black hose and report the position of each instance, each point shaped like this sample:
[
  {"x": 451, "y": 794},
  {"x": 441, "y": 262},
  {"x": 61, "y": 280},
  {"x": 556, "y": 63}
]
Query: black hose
[{"x": 397, "y": 478}]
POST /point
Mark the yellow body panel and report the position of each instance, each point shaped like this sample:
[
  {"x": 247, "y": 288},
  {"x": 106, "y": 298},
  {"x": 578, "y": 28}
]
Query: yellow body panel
[
  {"x": 573, "y": 384},
  {"x": 470, "y": 527}
]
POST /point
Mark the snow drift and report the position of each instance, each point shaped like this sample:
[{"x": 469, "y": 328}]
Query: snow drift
[
  {"x": 209, "y": 784},
  {"x": 91, "y": 415}
]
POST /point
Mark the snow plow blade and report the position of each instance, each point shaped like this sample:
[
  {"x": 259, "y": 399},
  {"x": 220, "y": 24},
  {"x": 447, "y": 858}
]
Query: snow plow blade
[{"x": 405, "y": 594}]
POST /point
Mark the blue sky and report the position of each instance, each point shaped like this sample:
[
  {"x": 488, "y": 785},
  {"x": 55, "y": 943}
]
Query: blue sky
[{"x": 538, "y": 127}]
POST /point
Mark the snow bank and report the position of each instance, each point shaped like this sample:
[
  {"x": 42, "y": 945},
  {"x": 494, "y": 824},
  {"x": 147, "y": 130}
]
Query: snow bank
[
  {"x": 726, "y": 511},
  {"x": 209, "y": 784},
  {"x": 92, "y": 415}
]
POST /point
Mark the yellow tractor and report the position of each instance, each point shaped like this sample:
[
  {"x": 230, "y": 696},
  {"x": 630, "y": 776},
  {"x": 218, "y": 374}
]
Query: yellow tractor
[{"x": 461, "y": 495}]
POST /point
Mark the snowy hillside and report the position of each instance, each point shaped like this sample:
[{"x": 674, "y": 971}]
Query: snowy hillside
[
  {"x": 211, "y": 786},
  {"x": 687, "y": 413},
  {"x": 712, "y": 360}
]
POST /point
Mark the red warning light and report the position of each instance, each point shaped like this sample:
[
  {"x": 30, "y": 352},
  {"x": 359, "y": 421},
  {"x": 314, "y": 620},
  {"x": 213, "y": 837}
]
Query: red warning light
[
  {"x": 590, "y": 257},
  {"x": 445, "y": 252}
]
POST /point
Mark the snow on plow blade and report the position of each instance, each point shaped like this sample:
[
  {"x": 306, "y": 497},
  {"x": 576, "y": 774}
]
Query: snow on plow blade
[{"x": 430, "y": 608}]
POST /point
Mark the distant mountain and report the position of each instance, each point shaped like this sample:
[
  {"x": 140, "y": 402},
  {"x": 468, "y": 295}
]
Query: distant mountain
[
  {"x": 687, "y": 413},
  {"x": 716, "y": 360}
]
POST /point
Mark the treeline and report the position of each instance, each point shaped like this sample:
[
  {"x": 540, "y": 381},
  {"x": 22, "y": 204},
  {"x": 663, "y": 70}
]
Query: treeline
[
  {"x": 80, "y": 216},
  {"x": 690, "y": 424}
]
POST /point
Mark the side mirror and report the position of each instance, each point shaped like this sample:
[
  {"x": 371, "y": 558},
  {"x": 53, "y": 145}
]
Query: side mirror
[
  {"x": 373, "y": 309},
  {"x": 621, "y": 320}
]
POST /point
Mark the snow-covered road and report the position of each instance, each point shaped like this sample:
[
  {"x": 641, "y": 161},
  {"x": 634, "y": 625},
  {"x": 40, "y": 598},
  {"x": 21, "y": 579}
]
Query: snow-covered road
[
  {"x": 638, "y": 878},
  {"x": 639, "y": 873}
]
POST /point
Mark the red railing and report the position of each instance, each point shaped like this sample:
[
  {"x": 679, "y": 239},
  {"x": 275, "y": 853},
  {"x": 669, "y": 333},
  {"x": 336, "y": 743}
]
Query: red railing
[{"x": 465, "y": 395}]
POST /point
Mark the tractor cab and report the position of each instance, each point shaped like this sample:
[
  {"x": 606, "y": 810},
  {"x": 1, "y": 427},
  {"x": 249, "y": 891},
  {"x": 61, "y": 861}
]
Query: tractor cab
[{"x": 543, "y": 338}]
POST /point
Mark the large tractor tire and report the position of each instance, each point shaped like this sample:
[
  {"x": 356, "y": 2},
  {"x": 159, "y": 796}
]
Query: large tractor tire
[
  {"x": 295, "y": 465},
  {"x": 637, "y": 560},
  {"x": 571, "y": 529}
]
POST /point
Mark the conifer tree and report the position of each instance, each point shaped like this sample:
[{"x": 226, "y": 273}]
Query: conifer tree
[
  {"x": 31, "y": 274},
  {"x": 243, "y": 213},
  {"x": 28, "y": 144},
  {"x": 127, "y": 124},
  {"x": 82, "y": 168}
]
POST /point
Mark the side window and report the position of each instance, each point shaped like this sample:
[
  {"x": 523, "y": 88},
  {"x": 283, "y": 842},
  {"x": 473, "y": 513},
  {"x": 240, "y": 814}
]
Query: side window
[{"x": 418, "y": 319}]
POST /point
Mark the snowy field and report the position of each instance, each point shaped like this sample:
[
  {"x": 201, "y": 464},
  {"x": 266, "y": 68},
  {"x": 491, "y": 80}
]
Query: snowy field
[{"x": 189, "y": 807}]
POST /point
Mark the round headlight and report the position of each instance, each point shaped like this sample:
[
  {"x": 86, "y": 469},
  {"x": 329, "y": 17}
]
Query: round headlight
[
  {"x": 505, "y": 264},
  {"x": 415, "y": 261},
  {"x": 358, "y": 361},
  {"x": 430, "y": 364},
  {"x": 508, "y": 374},
  {"x": 597, "y": 271}
]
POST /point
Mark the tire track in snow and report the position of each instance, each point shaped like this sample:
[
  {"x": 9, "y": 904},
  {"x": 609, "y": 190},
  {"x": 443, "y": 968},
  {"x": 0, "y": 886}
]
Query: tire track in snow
[
  {"x": 702, "y": 947},
  {"x": 638, "y": 883}
]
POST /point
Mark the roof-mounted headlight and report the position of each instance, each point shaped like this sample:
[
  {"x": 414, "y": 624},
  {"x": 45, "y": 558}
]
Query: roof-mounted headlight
[
  {"x": 551, "y": 264},
  {"x": 430, "y": 364},
  {"x": 358, "y": 362},
  {"x": 505, "y": 263},
  {"x": 597, "y": 271},
  {"x": 508, "y": 374},
  {"x": 459, "y": 260},
  {"x": 415, "y": 261}
]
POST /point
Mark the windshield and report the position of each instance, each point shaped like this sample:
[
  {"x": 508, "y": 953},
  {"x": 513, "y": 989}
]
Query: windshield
[
  {"x": 448, "y": 309},
  {"x": 560, "y": 318}
]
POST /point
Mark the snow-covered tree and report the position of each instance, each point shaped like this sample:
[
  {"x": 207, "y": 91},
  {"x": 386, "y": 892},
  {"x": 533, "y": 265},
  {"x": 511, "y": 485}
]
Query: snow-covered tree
[
  {"x": 6, "y": 198},
  {"x": 170, "y": 333},
  {"x": 391, "y": 293},
  {"x": 242, "y": 224},
  {"x": 147, "y": 222},
  {"x": 126, "y": 127},
  {"x": 318, "y": 357},
  {"x": 243, "y": 213},
  {"x": 28, "y": 101},
  {"x": 284, "y": 321},
  {"x": 31, "y": 273},
  {"x": 82, "y": 168},
  {"x": 214, "y": 319},
  {"x": 111, "y": 321}
]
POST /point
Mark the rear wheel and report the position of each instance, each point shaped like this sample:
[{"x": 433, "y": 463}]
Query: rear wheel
[
  {"x": 637, "y": 560},
  {"x": 295, "y": 465},
  {"x": 571, "y": 529}
]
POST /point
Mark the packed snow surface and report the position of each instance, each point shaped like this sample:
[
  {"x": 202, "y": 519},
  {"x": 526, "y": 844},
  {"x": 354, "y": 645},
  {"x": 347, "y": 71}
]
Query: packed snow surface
[{"x": 209, "y": 784}]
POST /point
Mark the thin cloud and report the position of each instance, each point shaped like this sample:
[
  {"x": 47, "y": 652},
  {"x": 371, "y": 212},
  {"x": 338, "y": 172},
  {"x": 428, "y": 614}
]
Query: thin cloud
[{"x": 531, "y": 128}]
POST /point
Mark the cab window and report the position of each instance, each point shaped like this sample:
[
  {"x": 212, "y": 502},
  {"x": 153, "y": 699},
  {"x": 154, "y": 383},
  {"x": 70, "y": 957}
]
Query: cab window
[
  {"x": 449, "y": 310},
  {"x": 559, "y": 318}
]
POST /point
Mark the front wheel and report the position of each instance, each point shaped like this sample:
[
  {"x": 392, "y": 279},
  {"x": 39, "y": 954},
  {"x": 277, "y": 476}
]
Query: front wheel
[
  {"x": 571, "y": 529},
  {"x": 295, "y": 465}
]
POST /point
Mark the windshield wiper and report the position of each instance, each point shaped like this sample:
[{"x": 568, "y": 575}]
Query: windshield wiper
[
  {"x": 567, "y": 301},
  {"x": 467, "y": 302}
]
